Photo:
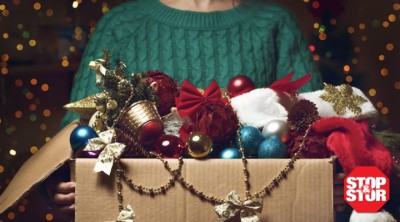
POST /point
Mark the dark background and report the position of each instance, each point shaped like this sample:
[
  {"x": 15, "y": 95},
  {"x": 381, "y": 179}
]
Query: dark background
[{"x": 41, "y": 42}]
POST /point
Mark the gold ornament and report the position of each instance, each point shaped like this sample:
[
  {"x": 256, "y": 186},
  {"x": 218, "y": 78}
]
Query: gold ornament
[
  {"x": 137, "y": 115},
  {"x": 199, "y": 145},
  {"x": 342, "y": 99},
  {"x": 85, "y": 107}
]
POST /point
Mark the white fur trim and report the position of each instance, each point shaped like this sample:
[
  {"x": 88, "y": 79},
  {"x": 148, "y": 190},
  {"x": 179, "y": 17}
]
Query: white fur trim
[
  {"x": 325, "y": 109},
  {"x": 381, "y": 216},
  {"x": 258, "y": 107}
]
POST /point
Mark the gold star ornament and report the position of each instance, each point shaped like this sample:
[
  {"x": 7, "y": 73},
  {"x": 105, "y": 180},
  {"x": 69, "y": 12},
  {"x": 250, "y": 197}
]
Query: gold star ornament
[
  {"x": 342, "y": 98},
  {"x": 85, "y": 107}
]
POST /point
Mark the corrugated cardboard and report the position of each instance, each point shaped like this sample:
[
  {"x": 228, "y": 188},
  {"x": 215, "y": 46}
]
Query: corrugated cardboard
[
  {"x": 306, "y": 194},
  {"x": 37, "y": 168}
]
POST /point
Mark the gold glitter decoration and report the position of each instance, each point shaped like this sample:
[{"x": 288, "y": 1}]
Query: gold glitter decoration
[
  {"x": 85, "y": 107},
  {"x": 342, "y": 99}
]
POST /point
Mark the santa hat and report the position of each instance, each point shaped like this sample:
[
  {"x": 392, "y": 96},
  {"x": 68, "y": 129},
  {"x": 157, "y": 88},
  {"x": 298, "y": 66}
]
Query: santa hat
[
  {"x": 353, "y": 144},
  {"x": 342, "y": 101}
]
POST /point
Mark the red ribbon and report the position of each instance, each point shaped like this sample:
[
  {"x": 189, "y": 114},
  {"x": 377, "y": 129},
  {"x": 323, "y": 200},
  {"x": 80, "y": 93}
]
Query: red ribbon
[
  {"x": 287, "y": 85},
  {"x": 190, "y": 100}
]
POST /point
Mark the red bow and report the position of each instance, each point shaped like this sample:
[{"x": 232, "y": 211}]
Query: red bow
[
  {"x": 190, "y": 100},
  {"x": 286, "y": 85}
]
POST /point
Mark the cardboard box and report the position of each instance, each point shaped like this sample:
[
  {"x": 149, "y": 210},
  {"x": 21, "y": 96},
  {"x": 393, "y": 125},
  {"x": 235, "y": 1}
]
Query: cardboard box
[{"x": 306, "y": 194}]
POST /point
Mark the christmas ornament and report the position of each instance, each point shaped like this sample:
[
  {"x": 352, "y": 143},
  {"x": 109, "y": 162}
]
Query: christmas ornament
[
  {"x": 250, "y": 138},
  {"x": 172, "y": 122},
  {"x": 85, "y": 107},
  {"x": 272, "y": 147},
  {"x": 208, "y": 113},
  {"x": 302, "y": 115},
  {"x": 80, "y": 137},
  {"x": 142, "y": 121},
  {"x": 240, "y": 84},
  {"x": 247, "y": 209},
  {"x": 169, "y": 146},
  {"x": 230, "y": 153},
  {"x": 314, "y": 146},
  {"x": 166, "y": 89},
  {"x": 199, "y": 145},
  {"x": 111, "y": 150},
  {"x": 342, "y": 99},
  {"x": 278, "y": 128},
  {"x": 81, "y": 153}
]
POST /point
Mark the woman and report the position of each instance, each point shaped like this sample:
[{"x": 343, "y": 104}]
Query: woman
[{"x": 198, "y": 40}]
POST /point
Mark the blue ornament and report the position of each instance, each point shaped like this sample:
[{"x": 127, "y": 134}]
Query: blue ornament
[
  {"x": 80, "y": 137},
  {"x": 230, "y": 153},
  {"x": 251, "y": 139},
  {"x": 272, "y": 147}
]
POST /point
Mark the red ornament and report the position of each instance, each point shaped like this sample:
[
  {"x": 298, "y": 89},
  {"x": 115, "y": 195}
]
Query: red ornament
[
  {"x": 240, "y": 84},
  {"x": 170, "y": 146},
  {"x": 150, "y": 132},
  {"x": 215, "y": 119},
  {"x": 166, "y": 89}
]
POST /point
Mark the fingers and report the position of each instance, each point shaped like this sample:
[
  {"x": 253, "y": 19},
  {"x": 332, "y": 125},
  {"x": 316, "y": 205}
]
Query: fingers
[
  {"x": 70, "y": 209},
  {"x": 64, "y": 199},
  {"x": 65, "y": 187}
]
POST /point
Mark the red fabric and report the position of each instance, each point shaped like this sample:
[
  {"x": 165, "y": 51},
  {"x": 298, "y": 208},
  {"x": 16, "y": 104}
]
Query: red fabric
[
  {"x": 353, "y": 144},
  {"x": 190, "y": 100},
  {"x": 286, "y": 85}
]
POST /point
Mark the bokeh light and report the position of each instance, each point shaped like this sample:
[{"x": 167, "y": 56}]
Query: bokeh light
[
  {"x": 372, "y": 92},
  {"x": 45, "y": 87},
  {"x": 49, "y": 217},
  {"x": 33, "y": 149}
]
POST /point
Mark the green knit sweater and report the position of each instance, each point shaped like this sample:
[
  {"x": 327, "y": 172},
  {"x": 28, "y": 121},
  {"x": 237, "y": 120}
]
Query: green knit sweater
[{"x": 259, "y": 39}]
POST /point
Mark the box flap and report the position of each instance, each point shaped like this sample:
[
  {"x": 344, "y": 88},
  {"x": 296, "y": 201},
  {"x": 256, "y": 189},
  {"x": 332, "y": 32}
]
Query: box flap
[
  {"x": 306, "y": 194},
  {"x": 38, "y": 167}
]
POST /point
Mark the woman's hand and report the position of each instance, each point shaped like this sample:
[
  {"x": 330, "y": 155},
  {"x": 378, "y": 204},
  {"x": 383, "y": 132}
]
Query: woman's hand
[
  {"x": 338, "y": 199},
  {"x": 60, "y": 191},
  {"x": 62, "y": 195}
]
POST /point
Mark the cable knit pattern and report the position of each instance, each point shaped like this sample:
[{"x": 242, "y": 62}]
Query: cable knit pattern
[{"x": 260, "y": 39}]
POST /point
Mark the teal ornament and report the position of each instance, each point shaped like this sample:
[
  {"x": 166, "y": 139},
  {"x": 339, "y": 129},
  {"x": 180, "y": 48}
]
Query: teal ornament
[
  {"x": 230, "y": 153},
  {"x": 251, "y": 139},
  {"x": 80, "y": 137},
  {"x": 272, "y": 147}
]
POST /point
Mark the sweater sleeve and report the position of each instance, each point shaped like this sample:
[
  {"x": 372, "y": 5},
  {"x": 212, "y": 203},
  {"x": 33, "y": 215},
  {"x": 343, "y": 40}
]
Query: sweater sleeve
[
  {"x": 85, "y": 78},
  {"x": 293, "y": 53}
]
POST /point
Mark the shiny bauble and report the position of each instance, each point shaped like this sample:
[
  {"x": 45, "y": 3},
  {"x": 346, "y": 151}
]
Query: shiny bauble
[
  {"x": 251, "y": 138},
  {"x": 150, "y": 132},
  {"x": 199, "y": 145},
  {"x": 272, "y": 147},
  {"x": 277, "y": 127},
  {"x": 81, "y": 153},
  {"x": 170, "y": 146},
  {"x": 240, "y": 84},
  {"x": 230, "y": 153},
  {"x": 80, "y": 137}
]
